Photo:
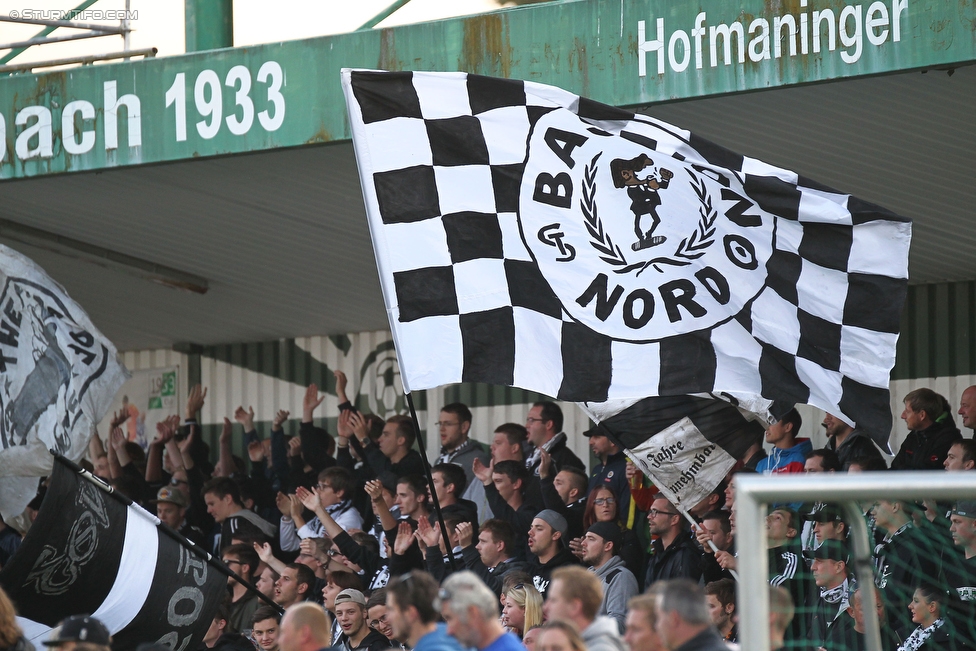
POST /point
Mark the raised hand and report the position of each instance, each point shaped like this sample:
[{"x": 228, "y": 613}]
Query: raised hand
[
  {"x": 341, "y": 383},
  {"x": 374, "y": 489},
  {"x": 279, "y": 419},
  {"x": 264, "y": 552},
  {"x": 255, "y": 451},
  {"x": 119, "y": 417},
  {"x": 545, "y": 463},
  {"x": 187, "y": 444},
  {"x": 310, "y": 402},
  {"x": 283, "y": 504},
  {"x": 226, "y": 431},
  {"x": 428, "y": 535},
  {"x": 164, "y": 433},
  {"x": 307, "y": 546},
  {"x": 344, "y": 427},
  {"x": 195, "y": 401},
  {"x": 481, "y": 471},
  {"x": 403, "y": 540},
  {"x": 118, "y": 440},
  {"x": 296, "y": 507},
  {"x": 308, "y": 498},
  {"x": 576, "y": 547},
  {"x": 358, "y": 424},
  {"x": 245, "y": 418},
  {"x": 632, "y": 470},
  {"x": 465, "y": 533},
  {"x": 294, "y": 446}
]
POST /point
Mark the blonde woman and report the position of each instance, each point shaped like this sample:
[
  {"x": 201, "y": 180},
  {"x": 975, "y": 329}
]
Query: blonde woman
[
  {"x": 11, "y": 637},
  {"x": 522, "y": 608}
]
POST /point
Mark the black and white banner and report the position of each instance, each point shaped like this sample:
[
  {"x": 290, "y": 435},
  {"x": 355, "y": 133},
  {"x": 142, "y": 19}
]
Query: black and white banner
[
  {"x": 527, "y": 236},
  {"x": 59, "y": 373},
  {"x": 88, "y": 552}
]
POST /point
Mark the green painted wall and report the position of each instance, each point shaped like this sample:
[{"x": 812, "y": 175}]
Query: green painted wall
[{"x": 622, "y": 52}]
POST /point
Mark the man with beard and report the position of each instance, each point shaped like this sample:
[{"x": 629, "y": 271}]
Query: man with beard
[
  {"x": 847, "y": 442},
  {"x": 600, "y": 545}
]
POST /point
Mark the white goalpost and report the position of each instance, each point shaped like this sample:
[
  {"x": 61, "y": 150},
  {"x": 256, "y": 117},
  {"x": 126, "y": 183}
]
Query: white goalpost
[{"x": 754, "y": 493}]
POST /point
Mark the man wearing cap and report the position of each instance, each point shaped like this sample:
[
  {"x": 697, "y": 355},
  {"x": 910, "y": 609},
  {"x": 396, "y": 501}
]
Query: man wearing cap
[
  {"x": 959, "y": 564},
  {"x": 80, "y": 633},
  {"x": 546, "y": 542},
  {"x": 171, "y": 505},
  {"x": 828, "y": 524},
  {"x": 600, "y": 546},
  {"x": 612, "y": 469},
  {"x": 830, "y": 561},
  {"x": 350, "y": 612}
]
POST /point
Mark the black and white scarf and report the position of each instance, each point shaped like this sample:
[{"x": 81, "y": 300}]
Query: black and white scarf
[{"x": 920, "y": 635}]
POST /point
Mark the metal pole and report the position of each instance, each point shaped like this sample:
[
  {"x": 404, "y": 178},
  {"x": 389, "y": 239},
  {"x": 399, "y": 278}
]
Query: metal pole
[
  {"x": 864, "y": 571},
  {"x": 430, "y": 483},
  {"x": 383, "y": 15},
  {"x": 753, "y": 588},
  {"x": 44, "y": 32}
]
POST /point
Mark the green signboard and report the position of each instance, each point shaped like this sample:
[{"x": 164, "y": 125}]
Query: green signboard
[{"x": 622, "y": 52}]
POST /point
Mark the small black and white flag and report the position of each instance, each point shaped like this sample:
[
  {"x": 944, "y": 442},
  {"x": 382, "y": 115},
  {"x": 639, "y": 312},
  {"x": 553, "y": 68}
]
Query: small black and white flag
[
  {"x": 88, "y": 552},
  {"x": 59, "y": 373},
  {"x": 526, "y": 236}
]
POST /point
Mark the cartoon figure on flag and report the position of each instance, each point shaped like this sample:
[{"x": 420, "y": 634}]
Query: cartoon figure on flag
[{"x": 643, "y": 193}]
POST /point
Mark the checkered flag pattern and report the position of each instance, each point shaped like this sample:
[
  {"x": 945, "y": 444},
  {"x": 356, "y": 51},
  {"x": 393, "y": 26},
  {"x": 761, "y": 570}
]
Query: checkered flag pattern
[{"x": 441, "y": 158}]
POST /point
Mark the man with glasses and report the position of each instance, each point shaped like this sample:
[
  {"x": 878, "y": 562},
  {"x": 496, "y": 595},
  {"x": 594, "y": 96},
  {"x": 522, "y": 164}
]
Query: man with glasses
[
  {"x": 242, "y": 560},
  {"x": 675, "y": 554},
  {"x": 545, "y": 424},
  {"x": 456, "y": 447},
  {"x": 413, "y": 608},
  {"x": 331, "y": 495}
]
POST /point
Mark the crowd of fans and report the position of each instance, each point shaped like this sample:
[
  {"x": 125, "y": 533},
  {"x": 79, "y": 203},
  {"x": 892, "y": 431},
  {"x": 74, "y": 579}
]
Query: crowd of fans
[{"x": 529, "y": 551}]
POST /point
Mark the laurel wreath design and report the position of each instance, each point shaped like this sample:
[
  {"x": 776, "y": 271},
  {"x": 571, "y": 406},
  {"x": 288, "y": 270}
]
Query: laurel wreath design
[{"x": 688, "y": 249}]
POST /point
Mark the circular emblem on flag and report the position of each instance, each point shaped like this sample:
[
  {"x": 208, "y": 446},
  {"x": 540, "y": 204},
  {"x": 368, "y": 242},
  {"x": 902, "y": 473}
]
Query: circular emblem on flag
[{"x": 638, "y": 236}]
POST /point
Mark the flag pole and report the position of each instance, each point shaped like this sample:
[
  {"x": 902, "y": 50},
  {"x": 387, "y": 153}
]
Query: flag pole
[
  {"x": 175, "y": 535},
  {"x": 430, "y": 483},
  {"x": 664, "y": 492}
]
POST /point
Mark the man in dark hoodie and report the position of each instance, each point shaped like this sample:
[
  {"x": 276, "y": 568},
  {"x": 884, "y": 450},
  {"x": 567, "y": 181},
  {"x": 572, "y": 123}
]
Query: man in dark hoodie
[
  {"x": 546, "y": 542},
  {"x": 847, "y": 442},
  {"x": 929, "y": 417}
]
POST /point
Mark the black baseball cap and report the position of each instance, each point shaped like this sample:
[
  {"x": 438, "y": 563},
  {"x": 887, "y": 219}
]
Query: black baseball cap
[
  {"x": 826, "y": 514},
  {"x": 833, "y": 550},
  {"x": 80, "y": 628}
]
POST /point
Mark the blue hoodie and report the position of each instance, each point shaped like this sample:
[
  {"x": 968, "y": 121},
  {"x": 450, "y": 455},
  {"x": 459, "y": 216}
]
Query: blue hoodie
[{"x": 786, "y": 460}]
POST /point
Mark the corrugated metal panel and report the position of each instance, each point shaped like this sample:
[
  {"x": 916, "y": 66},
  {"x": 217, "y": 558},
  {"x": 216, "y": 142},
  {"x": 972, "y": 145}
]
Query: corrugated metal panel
[
  {"x": 938, "y": 331},
  {"x": 138, "y": 360}
]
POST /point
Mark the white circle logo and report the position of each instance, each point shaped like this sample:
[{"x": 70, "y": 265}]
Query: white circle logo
[{"x": 636, "y": 243}]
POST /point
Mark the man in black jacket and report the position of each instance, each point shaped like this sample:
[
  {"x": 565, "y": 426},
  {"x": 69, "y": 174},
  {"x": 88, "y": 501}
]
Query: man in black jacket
[
  {"x": 546, "y": 542},
  {"x": 928, "y": 416},
  {"x": 494, "y": 554},
  {"x": 676, "y": 556},
  {"x": 545, "y": 424},
  {"x": 847, "y": 442}
]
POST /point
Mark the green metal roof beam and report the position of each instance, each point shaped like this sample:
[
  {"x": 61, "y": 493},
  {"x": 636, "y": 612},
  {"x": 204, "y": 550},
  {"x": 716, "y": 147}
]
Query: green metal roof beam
[
  {"x": 383, "y": 15},
  {"x": 44, "y": 32}
]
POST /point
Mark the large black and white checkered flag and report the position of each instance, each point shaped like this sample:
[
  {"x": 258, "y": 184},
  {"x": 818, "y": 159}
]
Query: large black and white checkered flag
[
  {"x": 88, "y": 552},
  {"x": 527, "y": 236}
]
